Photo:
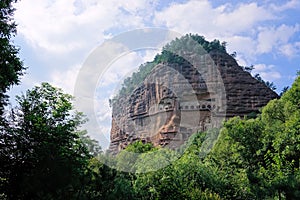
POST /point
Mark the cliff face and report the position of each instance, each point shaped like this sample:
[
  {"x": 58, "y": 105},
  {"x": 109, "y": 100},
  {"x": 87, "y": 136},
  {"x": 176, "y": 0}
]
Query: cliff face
[
  {"x": 175, "y": 101},
  {"x": 244, "y": 94}
]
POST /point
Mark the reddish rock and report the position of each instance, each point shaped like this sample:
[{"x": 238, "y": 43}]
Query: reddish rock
[{"x": 175, "y": 101}]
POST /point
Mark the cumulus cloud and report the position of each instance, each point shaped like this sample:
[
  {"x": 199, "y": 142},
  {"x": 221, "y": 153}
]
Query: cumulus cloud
[
  {"x": 267, "y": 72},
  {"x": 65, "y": 79},
  {"x": 288, "y": 50},
  {"x": 193, "y": 16},
  {"x": 275, "y": 38},
  {"x": 242, "y": 18},
  {"x": 121, "y": 68},
  {"x": 292, "y": 4},
  {"x": 241, "y": 44},
  {"x": 201, "y": 17},
  {"x": 245, "y": 26},
  {"x": 64, "y": 25}
]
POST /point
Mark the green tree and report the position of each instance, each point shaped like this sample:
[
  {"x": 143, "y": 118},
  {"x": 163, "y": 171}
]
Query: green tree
[
  {"x": 11, "y": 67},
  {"x": 230, "y": 167},
  {"x": 262, "y": 154},
  {"x": 284, "y": 90},
  {"x": 42, "y": 155},
  {"x": 171, "y": 175},
  {"x": 237, "y": 152},
  {"x": 282, "y": 143},
  {"x": 90, "y": 144},
  {"x": 102, "y": 179},
  {"x": 248, "y": 68},
  {"x": 270, "y": 85},
  {"x": 127, "y": 158}
]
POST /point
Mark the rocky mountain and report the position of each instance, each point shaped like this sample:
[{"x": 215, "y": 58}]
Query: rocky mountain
[{"x": 196, "y": 92}]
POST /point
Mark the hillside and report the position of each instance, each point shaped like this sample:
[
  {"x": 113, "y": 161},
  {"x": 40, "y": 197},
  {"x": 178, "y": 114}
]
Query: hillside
[{"x": 193, "y": 85}]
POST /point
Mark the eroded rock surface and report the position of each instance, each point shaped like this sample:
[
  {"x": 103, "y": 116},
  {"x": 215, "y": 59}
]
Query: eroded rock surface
[{"x": 175, "y": 101}]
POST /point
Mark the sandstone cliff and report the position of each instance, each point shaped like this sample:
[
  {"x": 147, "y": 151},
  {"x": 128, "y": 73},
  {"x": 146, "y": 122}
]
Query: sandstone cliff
[{"x": 176, "y": 100}]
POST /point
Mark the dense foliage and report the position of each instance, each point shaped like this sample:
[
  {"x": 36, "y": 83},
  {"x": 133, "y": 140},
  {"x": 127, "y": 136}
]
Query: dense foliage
[
  {"x": 254, "y": 158},
  {"x": 42, "y": 155},
  {"x": 11, "y": 67}
]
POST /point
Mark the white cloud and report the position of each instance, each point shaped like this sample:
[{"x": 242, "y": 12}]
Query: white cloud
[
  {"x": 270, "y": 38},
  {"x": 267, "y": 72},
  {"x": 244, "y": 44},
  {"x": 28, "y": 82},
  {"x": 292, "y": 4},
  {"x": 262, "y": 67},
  {"x": 201, "y": 17},
  {"x": 244, "y": 26},
  {"x": 65, "y": 25},
  {"x": 236, "y": 24},
  {"x": 124, "y": 66},
  {"x": 193, "y": 16},
  {"x": 243, "y": 18},
  {"x": 65, "y": 79},
  {"x": 103, "y": 136},
  {"x": 270, "y": 76},
  {"x": 288, "y": 50},
  {"x": 121, "y": 68},
  {"x": 150, "y": 54},
  {"x": 47, "y": 26},
  {"x": 104, "y": 115}
]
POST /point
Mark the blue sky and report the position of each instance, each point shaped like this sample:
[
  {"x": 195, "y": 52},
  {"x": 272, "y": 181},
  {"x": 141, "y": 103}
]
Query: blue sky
[{"x": 56, "y": 36}]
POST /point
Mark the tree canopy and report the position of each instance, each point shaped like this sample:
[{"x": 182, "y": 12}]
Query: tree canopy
[
  {"x": 42, "y": 154},
  {"x": 11, "y": 67}
]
